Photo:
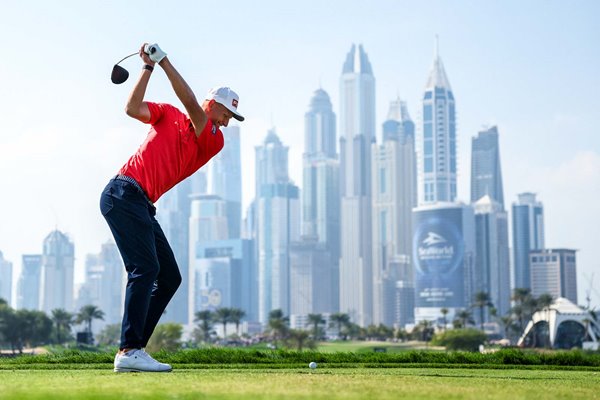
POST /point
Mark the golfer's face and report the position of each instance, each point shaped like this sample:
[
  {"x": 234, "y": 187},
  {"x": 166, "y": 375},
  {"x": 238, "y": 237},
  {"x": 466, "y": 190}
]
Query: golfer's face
[{"x": 220, "y": 115}]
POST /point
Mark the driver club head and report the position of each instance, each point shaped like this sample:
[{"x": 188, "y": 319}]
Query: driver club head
[{"x": 119, "y": 75}]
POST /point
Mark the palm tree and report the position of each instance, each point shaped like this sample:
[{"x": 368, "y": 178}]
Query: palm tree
[
  {"x": 444, "y": 312},
  {"x": 482, "y": 301},
  {"x": 298, "y": 338},
  {"x": 205, "y": 318},
  {"x": 63, "y": 321},
  {"x": 544, "y": 301},
  {"x": 87, "y": 314},
  {"x": 464, "y": 316},
  {"x": 237, "y": 314},
  {"x": 315, "y": 320},
  {"x": 223, "y": 315},
  {"x": 340, "y": 320},
  {"x": 278, "y": 323}
]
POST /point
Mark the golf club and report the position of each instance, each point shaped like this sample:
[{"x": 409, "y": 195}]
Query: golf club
[{"x": 120, "y": 74}]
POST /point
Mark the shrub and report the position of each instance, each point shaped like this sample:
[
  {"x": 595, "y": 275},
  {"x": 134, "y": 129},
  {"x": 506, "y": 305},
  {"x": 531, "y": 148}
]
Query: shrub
[{"x": 460, "y": 339}]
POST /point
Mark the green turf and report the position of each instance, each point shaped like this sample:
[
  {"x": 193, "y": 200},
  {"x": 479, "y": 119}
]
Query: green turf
[{"x": 323, "y": 383}]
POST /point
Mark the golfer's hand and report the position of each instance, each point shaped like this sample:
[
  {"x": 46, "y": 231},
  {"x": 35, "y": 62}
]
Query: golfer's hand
[
  {"x": 155, "y": 53},
  {"x": 144, "y": 56}
]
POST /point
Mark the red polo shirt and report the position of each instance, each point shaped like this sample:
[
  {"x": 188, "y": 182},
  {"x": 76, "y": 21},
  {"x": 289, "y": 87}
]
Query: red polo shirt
[{"x": 171, "y": 152}]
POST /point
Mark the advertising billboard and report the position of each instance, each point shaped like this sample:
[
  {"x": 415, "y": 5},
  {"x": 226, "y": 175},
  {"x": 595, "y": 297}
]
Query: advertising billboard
[{"x": 439, "y": 255}]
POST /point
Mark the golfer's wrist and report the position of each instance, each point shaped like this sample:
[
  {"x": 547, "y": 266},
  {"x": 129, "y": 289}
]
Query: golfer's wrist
[{"x": 148, "y": 67}]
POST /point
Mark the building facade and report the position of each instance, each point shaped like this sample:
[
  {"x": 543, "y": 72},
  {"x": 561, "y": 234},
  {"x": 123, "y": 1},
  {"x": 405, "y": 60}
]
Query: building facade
[
  {"x": 357, "y": 132},
  {"x": 56, "y": 282},
  {"x": 492, "y": 266},
  {"x": 28, "y": 286},
  {"x": 443, "y": 259},
  {"x": 486, "y": 172},
  {"x": 528, "y": 235},
  {"x": 554, "y": 271},
  {"x": 6, "y": 273},
  {"x": 394, "y": 196},
  {"x": 438, "y": 145}
]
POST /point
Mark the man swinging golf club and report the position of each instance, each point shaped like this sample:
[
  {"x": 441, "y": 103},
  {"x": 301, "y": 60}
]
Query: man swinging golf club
[{"x": 176, "y": 147}]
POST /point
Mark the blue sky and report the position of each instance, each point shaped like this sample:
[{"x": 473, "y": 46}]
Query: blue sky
[{"x": 530, "y": 67}]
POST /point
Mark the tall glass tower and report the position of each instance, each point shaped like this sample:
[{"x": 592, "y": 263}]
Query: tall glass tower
[
  {"x": 393, "y": 194},
  {"x": 58, "y": 264},
  {"x": 357, "y": 132},
  {"x": 320, "y": 195},
  {"x": 277, "y": 225},
  {"x": 439, "y": 138},
  {"x": 528, "y": 234},
  {"x": 486, "y": 174},
  {"x": 174, "y": 213},
  {"x": 226, "y": 179}
]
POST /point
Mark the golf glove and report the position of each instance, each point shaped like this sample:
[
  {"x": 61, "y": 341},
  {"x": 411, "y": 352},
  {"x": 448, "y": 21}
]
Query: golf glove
[{"x": 154, "y": 52}]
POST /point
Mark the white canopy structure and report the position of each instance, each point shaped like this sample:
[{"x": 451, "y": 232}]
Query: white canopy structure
[{"x": 562, "y": 325}]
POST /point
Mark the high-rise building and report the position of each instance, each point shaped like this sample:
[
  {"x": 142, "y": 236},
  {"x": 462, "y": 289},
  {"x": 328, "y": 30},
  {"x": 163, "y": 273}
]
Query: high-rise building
[
  {"x": 103, "y": 287},
  {"x": 173, "y": 213},
  {"x": 394, "y": 196},
  {"x": 312, "y": 277},
  {"x": 5, "y": 279},
  {"x": 320, "y": 194},
  {"x": 492, "y": 266},
  {"x": 277, "y": 225},
  {"x": 439, "y": 138},
  {"x": 357, "y": 132},
  {"x": 58, "y": 263},
  {"x": 224, "y": 275},
  {"x": 554, "y": 271},
  {"x": 28, "y": 286},
  {"x": 486, "y": 174},
  {"x": 444, "y": 258},
  {"x": 226, "y": 179},
  {"x": 528, "y": 234}
]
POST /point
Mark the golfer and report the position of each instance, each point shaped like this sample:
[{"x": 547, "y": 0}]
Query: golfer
[{"x": 177, "y": 145}]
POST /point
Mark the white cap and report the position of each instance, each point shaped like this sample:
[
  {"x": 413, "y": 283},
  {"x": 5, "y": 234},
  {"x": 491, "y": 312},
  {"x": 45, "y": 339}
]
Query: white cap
[{"x": 227, "y": 97}]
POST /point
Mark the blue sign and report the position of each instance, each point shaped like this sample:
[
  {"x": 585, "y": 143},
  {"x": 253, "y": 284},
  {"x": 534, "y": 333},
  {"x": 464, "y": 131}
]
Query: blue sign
[{"x": 438, "y": 254}]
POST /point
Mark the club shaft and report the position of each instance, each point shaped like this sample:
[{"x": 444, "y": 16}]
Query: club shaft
[{"x": 131, "y": 55}]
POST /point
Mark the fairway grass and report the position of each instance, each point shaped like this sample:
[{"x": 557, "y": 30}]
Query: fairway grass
[{"x": 322, "y": 383}]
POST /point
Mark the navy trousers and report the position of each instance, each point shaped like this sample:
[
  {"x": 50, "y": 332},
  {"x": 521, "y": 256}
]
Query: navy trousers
[{"x": 152, "y": 272}]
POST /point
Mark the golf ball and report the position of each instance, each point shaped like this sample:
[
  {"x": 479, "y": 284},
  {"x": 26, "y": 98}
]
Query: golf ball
[{"x": 313, "y": 365}]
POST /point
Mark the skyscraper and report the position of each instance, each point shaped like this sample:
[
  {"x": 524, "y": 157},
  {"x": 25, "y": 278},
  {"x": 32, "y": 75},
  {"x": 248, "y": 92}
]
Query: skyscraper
[
  {"x": 103, "y": 287},
  {"x": 173, "y": 213},
  {"x": 492, "y": 266},
  {"x": 554, "y": 271},
  {"x": 394, "y": 196},
  {"x": 5, "y": 279},
  {"x": 357, "y": 132},
  {"x": 320, "y": 194},
  {"x": 58, "y": 262},
  {"x": 226, "y": 179},
  {"x": 528, "y": 234},
  {"x": 439, "y": 137},
  {"x": 28, "y": 286},
  {"x": 277, "y": 225},
  {"x": 486, "y": 174}
]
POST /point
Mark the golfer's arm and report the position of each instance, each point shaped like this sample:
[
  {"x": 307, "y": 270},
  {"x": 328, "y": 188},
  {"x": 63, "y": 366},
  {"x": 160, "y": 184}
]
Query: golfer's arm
[
  {"x": 136, "y": 107},
  {"x": 185, "y": 95}
]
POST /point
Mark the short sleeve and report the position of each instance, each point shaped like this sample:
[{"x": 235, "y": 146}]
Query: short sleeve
[{"x": 157, "y": 110}]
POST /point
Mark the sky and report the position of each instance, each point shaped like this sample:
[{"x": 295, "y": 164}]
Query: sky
[{"x": 529, "y": 67}]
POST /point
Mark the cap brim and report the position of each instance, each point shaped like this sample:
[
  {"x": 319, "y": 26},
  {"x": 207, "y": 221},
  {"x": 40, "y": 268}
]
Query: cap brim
[{"x": 237, "y": 116}]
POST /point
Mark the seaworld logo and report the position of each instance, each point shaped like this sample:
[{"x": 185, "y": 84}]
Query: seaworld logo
[
  {"x": 431, "y": 251},
  {"x": 433, "y": 238}
]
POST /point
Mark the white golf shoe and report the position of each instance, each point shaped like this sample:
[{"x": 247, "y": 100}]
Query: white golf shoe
[{"x": 139, "y": 361}]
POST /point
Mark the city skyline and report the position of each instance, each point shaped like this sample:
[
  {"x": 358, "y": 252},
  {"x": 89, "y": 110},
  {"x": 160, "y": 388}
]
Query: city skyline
[{"x": 39, "y": 147}]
